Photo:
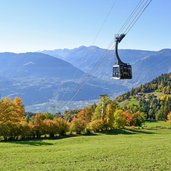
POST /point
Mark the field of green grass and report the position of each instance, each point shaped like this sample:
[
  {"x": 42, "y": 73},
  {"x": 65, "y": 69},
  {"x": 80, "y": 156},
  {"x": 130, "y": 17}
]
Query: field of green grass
[{"x": 130, "y": 149}]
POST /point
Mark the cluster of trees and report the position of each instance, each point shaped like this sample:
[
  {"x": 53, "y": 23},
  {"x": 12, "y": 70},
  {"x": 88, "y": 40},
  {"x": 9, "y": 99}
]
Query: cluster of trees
[
  {"x": 154, "y": 108},
  {"x": 106, "y": 115},
  {"x": 15, "y": 124}
]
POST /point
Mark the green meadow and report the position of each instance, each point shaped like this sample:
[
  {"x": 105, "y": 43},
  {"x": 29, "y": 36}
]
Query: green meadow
[{"x": 129, "y": 149}]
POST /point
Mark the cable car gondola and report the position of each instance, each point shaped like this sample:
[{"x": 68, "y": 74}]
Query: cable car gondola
[{"x": 121, "y": 70}]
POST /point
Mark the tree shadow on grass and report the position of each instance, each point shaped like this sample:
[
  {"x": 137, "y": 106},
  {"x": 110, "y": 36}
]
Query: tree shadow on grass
[
  {"x": 127, "y": 132},
  {"x": 32, "y": 142},
  {"x": 38, "y": 141},
  {"x": 140, "y": 131}
]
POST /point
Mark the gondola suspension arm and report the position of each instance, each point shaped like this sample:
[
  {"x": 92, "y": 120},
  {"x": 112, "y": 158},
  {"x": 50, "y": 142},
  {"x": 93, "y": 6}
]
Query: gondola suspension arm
[{"x": 118, "y": 39}]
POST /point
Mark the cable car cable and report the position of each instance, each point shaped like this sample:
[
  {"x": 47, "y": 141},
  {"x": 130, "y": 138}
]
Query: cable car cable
[
  {"x": 137, "y": 17},
  {"x": 98, "y": 33},
  {"x": 130, "y": 16},
  {"x": 123, "y": 70},
  {"x": 104, "y": 21},
  {"x": 84, "y": 81},
  {"x": 139, "y": 9},
  {"x": 96, "y": 36}
]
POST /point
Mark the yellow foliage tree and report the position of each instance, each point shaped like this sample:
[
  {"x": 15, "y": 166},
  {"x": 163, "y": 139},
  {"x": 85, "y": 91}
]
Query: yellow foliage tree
[
  {"x": 96, "y": 125},
  {"x": 38, "y": 124},
  {"x": 62, "y": 125},
  {"x": 50, "y": 127},
  {"x": 9, "y": 119},
  {"x": 18, "y": 104},
  {"x": 78, "y": 125}
]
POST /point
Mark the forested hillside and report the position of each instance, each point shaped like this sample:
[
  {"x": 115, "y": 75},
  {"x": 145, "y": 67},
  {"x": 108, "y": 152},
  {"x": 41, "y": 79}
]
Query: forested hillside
[{"x": 153, "y": 98}]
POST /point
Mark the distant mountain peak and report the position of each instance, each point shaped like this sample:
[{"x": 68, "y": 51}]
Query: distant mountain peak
[{"x": 166, "y": 50}]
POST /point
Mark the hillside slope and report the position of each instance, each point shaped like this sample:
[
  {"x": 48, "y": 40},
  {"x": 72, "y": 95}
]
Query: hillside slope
[
  {"x": 153, "y": 98},
  {"x": 149, "y": 68}
]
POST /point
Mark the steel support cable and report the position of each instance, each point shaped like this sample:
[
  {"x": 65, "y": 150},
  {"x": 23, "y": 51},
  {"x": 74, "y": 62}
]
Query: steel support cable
[
  {"x": 85, "y": 80},
  {"x": 130, "y": 16},
  {"x": 104, "y": 21},
  {"x": 99, "y": 31},
  {"x": 137, "y": 17}
]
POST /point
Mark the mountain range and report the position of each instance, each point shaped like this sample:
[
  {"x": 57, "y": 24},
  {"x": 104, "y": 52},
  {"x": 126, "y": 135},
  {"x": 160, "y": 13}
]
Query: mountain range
[
  {"x": 42, "y": 79},
  {"x": 98, "y": 62},
  {"x": 56, "y": 80}
]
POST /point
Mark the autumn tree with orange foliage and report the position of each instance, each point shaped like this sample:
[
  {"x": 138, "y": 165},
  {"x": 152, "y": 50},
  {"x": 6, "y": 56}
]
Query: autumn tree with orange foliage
[{"x": 78, "y": 125}]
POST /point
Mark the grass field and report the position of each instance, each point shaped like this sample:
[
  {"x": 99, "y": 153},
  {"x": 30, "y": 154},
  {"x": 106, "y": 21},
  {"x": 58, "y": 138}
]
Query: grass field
[{"x": 136, "y": 149}]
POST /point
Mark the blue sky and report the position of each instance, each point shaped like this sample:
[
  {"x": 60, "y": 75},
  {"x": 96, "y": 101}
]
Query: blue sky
[{"x": 31, "y": 25}]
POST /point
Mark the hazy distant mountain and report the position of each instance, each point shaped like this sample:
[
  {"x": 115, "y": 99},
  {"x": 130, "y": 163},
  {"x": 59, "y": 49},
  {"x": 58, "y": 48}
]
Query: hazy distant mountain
[
  {"x": 148, "y": 68},
  {"x": 97, "y": 61},
  {"x": 36, "y": 65},
  {"x": 40, "y": 79}
]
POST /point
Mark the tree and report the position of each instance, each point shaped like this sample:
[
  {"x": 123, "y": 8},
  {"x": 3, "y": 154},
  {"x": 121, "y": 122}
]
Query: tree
[
  {"x": 78, "y": 125},
  {"x": 109, "y": 117},
  {"x": 8, "y": 111},
  {"x": 50, "y": 127},
  {"x": 86, "y": 114},
  {"x": 9, "y": 130},
  {"x": 100, "y": 110},
  {"x": 62, "y": 125},
  {"x": 128, "y": 117},
  {"x": 119, "y": 119},
  {"x": 96, "y": 125},
  {"x": 9, "y": 119},
  {"x": 138, "y": 118},
  {"x": 18, "y": 104},
  {"x": 38, "y": 124},
  {"x": 25, "y": 129}
]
